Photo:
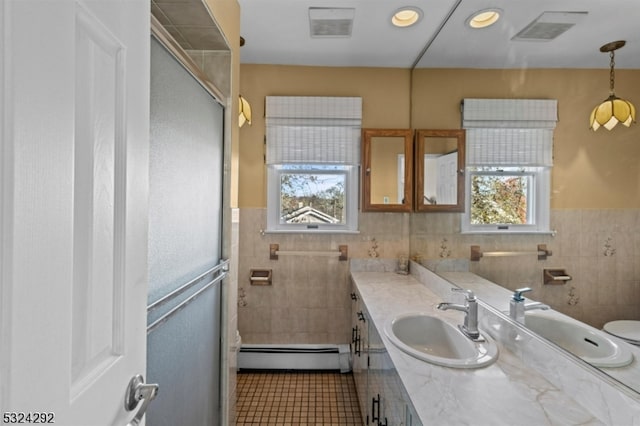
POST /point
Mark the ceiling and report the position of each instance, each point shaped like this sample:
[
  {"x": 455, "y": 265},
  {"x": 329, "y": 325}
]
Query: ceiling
[{"x": 278, "y": 32}]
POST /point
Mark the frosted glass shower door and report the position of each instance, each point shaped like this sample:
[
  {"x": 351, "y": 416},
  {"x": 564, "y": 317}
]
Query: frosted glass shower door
[{"x": 185, "y": 212}]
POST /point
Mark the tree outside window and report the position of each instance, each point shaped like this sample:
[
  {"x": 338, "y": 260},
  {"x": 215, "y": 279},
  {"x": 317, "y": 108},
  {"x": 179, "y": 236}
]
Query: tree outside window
[{"x": 500, "y": 199}]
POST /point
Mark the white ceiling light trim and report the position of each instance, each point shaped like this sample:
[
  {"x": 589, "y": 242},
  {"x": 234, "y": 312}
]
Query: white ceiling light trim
[
  {"x": 484, "y": 18},
  {"x": 331, "y": 21},
  {"x": 406, "y": 16}
]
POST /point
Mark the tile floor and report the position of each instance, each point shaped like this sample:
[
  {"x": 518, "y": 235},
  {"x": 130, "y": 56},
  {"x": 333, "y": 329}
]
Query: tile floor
[{"x": 296, "y": 399}]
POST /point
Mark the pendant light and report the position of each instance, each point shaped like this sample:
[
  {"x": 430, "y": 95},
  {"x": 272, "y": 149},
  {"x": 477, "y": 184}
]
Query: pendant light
[{"x": 613, "y": 110}]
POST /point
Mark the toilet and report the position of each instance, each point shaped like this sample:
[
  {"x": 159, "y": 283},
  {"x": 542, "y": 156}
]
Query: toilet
[{"x": 627, "y": 330}]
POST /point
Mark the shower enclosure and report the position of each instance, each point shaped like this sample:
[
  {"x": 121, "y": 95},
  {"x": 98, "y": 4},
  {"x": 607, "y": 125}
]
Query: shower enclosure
[{"x": 185, "y": 240}]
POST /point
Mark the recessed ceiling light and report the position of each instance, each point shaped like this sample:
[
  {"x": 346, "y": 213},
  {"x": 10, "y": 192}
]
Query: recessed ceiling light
[
  {"x": 406, "y": 16},
  {"x": 484, "y": 18}
]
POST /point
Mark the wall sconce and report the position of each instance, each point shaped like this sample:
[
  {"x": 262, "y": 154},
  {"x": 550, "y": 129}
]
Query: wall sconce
[
  {"x": 613, "y": 110},
  {"x": 245, "y": 112}
]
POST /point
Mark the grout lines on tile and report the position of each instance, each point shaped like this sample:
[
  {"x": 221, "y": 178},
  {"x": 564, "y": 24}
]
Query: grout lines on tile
[{"x": 296, "y": 399}]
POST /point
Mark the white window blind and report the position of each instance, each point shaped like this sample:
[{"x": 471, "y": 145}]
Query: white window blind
[
  {"x": 510, "y": 113},
  {"x": 311, "y": 129},
  {"x": 509, "y": 132},
  {"x": 510, "y": 147}
]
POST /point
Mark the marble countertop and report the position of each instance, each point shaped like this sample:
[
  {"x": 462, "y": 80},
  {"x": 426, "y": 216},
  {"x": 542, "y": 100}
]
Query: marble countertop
[
  {"x": 509, "y": 392},
  {"x": 499, "y": 297}
]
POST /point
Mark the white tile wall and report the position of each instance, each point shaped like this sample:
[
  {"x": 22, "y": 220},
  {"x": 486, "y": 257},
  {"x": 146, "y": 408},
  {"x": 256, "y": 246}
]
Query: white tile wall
[{"x": 309, "y": 299}]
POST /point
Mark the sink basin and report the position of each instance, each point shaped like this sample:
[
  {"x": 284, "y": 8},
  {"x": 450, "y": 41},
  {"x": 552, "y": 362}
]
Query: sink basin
[
  {"x": 586, "y": 342},
  {"x": 433, "y": 340}
]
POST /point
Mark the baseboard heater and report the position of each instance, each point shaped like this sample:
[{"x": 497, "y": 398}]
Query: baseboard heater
[{"x": 294, "y": 357}]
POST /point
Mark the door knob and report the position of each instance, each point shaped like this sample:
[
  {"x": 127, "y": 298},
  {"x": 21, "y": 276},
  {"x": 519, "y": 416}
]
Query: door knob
[{"x": 139, "y": 391}]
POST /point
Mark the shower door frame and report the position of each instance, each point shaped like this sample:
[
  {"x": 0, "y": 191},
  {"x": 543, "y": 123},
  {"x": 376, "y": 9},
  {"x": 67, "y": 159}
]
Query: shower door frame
[{"x": 219, "y": 272}]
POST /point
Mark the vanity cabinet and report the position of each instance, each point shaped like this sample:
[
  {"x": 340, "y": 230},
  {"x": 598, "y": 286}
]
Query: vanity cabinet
[
  {"x": 553, "y": 388},
  {"x": 380, "y": 377},
  {"x": 381, "y": 395},
  {"x": 392, "y": 403},
  {"x": 359, "y": 349}
]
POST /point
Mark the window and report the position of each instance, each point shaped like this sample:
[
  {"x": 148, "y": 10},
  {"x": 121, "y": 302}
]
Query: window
[
  {"x": 509, "y": 160},
  {"x": 311, "y": 197},
  {"x": 507, "y": 199},
  {"x": 313, "y": 154}
]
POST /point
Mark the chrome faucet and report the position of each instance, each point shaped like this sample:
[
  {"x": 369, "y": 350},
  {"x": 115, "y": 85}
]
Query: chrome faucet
[
  {"x": 517, "y": 305},
  {"x": 470, "y": 308}
]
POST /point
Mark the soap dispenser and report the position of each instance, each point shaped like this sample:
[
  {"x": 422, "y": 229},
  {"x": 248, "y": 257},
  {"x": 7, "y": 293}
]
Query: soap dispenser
[{"x": 516, "y": 305}]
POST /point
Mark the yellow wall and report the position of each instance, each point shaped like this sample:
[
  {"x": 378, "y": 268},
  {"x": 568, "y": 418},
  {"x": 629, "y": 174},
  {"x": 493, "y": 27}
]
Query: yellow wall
[
  {"x": 385, "y": 93},
  {"x": 591, "y": 169}
]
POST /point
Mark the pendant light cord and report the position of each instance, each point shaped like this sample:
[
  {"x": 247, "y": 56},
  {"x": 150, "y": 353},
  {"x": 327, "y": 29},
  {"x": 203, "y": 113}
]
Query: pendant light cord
[{"x": 611, "y": 73}]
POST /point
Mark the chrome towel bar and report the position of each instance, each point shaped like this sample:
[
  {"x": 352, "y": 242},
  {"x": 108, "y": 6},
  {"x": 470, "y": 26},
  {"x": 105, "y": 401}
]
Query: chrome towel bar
[
  {"x": 220, "y": 270},
  {"x": 223, "y": 265}
]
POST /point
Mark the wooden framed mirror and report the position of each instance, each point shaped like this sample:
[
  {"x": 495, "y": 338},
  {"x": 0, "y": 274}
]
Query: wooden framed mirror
[
  {"x": 387, "y": 170},
  {"x": 440, "y": 164}
]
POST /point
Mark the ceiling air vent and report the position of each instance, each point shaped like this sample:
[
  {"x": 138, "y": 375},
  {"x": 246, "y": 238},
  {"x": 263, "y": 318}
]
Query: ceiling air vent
[
  {"x": 331, "y": 21},
  {"x": 549, "y": 25}
]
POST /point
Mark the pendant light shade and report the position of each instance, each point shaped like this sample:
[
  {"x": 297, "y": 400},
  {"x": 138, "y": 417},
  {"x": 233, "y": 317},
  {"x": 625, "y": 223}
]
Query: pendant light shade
[
  {"x": 245, "y": 112},
  {"x": 613, "y": 110}
]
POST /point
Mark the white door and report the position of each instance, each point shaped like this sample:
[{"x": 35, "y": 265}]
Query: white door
[
  {"x": 448, "y": 179},
  {"x": 74, "y": 111}
]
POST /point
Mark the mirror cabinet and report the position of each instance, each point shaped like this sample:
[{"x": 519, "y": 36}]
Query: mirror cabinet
[
  {"x": 440, "y": 164},
  {"x": 387, "y": 170},
  {"x": 389, "y": 159}
]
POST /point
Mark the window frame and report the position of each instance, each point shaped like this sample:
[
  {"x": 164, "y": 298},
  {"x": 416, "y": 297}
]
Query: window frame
[
  {"x": 274, "y": 194},
  {"x": 538, "y": 203}
]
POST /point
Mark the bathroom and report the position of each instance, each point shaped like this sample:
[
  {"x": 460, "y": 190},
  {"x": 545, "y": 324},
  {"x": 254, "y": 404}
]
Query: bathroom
[
  {"x": 595, "y": 201},
  {"x": 595, "y": 210}
]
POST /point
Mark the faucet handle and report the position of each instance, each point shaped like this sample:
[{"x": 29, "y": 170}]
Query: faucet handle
[
  {"x": 517, "y": 295},
  {"x": 468, "y": 294}
]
